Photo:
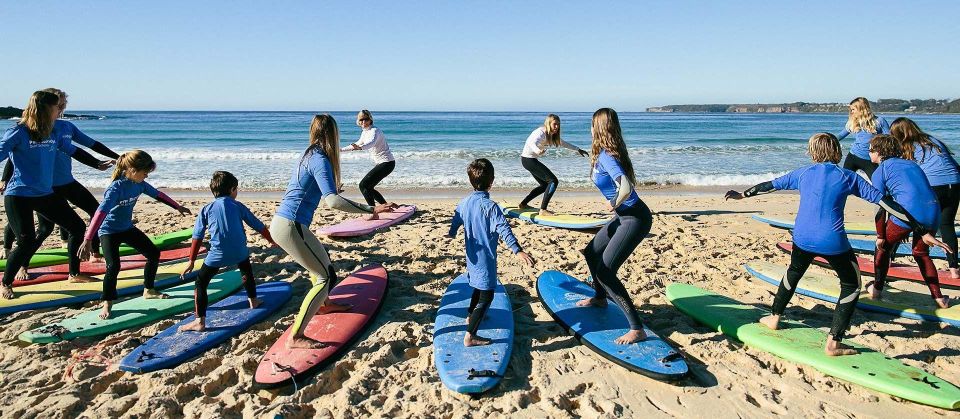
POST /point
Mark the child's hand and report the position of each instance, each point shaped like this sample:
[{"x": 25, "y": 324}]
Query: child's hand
[
  {"x": 932, "y": 241},
  {"x": 84, "y": 252},
  {"x": 187, "y": 270},
  {"x": 525, "y": 258},
  {"x": 880, "y": 243},
  {"x": 184, "y": 211}
]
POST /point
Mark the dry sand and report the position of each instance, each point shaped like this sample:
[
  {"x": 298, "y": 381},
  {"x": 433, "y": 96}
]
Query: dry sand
[{"x": 697, "y": 239}]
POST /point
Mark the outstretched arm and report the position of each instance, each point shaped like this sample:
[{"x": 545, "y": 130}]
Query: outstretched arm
[{"x": 760, "y": 188}]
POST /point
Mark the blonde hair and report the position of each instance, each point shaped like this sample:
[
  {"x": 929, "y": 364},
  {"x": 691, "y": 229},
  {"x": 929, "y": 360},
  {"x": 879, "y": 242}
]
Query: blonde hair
[
  {"x": 824, "y": 147},
  {"x": 365, "y": 114},
  {"x": 553, "y": 138},
  {"x": 861, "y": 117},
  {"x": 137, "y": 160},
  {"x": 325, "y": 138},
  {"x": 607, "y": 136},
  {"x": 35, "y": 114}
]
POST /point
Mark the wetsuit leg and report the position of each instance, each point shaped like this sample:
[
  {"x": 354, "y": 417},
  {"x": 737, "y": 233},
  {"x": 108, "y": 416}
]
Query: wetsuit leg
[
  {"x": 111, "y": 256},
  {"x": 305, "y": 249},
  {"x": 20, "y": 220},
  {"x": 204, "y": 275},
  {"x": 849, "y": 273},
  {"x": 852, "y": 162},
  {"x": 370, "y": 181},
  {"x": 547, "y": 180},
  {"x": 799, "y": 262},
  {"x": 949, "y": 198},
  {"x": 894, "y": 234},
  {"x": 249, "y": 281},
  {"x": 79, "y": 196},
  {"x": 142, "y": 244},
  {"x": 56, "y": 209},
  {"x": 921, "y": 253},
  {"x": 8, "y": 238},
  {"x": 477, "y": 311}
]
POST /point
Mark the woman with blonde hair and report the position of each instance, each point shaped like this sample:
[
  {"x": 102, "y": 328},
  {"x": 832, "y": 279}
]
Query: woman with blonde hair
[
  {"x": 314, "y": 180},
  {"x": 863, "y": 124},
  {"x": 824, "y": 188},
  {"x": 614, "y": 176},
  {"x": 372, "y": 138},
  {"x": 536, "y": 146}
]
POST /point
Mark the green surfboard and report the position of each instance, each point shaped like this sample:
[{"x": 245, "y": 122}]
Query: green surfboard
[
  {"x": 799, "y": 343},
  {"x": 133, "y": 312},
  {"x": 47, "y": 257}
]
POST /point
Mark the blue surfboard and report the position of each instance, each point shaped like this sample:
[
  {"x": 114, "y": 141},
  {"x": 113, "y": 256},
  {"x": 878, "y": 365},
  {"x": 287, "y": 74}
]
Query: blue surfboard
[
  {"x": 478, "y": 368},
  {"x": 227, "y": 318},
  {"x": 870, "y": 247},
  {"x": 598, "y": 327}
]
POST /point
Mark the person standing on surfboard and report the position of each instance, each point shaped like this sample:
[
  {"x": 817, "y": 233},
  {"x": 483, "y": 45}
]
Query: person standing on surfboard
[
  {"x": 863, "y": 124},
  {"x": 33, "y": 144},
  {"x": 614, "y": 176},
  {"x": 483, "y": 227},
  {"x": 818, "y": 230},
  {"x": 315, "y": 179},
  {"x": 372, "y": 138},
  {"x": 904, "y": 181},
  {"x": 938, "y": 164},
  {"x": 536, "y": 145}
]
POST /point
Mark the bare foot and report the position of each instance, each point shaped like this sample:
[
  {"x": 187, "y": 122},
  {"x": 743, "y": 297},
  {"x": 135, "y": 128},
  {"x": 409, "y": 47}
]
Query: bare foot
[
  {"x": 834, "y": 348},
  {"x": 6, "y": 292},
  {"x": 474, "y": 340},
  {"x": 152, "y": 294},
  {"x": 4, "y": 252},
  {"x": 81, "y": 279},
  {"x": 304, "y": 342},
  {"x": 546, "y": 213},
  {"x": 955, "y": 273},
  {"x": 522, "y": 205},
  {"x": 592, "y": 302},
  {"x": 772, "y": 321},
  {"x": 331, "y": 307},
  {"x": 22, "y": 274},
  {"x": 631, "y": 337},
  {"x": 872, "y": 292},
  {"x": 195, "y": 326},
  {"x": 95, "y": 258},
  {"x": 254, "y": 302},
  {"x": 105, "y": 313},
  {"x": 943, "y": 302},
  {"x": 371, "y": 217}
]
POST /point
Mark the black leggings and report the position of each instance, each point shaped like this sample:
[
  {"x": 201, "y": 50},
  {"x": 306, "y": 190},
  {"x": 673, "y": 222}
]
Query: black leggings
[
  {"x": 853, "y": 162},
  {"x": 111, "y": 254},
  {"x": 74, "y": 193},
  {"x": 479, "y": 303},
  {"x": 610, "y": 248},
  {"x": 207, "y": 273},
  {"x": 20, "y": 218},
  {"x": 949, "y": 198},
  {"x": 370, "y": 181},
  {"x": 547, "y": 180},
  {"x": 845, "y": 264}
]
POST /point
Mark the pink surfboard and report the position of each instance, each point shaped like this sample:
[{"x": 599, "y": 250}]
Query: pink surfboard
[
  {"x": 364, "y": 290},
  {"x": 896, "y": 271},
  {"x": 359, "y": 226},
  {"x": 61, "y": 272}
]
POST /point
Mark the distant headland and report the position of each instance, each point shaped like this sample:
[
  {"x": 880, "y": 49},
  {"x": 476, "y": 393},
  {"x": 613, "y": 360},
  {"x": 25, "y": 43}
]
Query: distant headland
[
  {"x": 880, "y": 106},
  {"x": 11, "y": 112}
]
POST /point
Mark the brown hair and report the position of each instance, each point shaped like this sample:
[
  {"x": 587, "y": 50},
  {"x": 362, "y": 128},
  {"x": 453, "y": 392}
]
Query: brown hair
[
  {"x": 325, "y": 138},
  {"x": 910, "y": 135},
  {"x": 607, "y": 136},
  {"x": 222, "y": 183},
  {"x": 480, "y": 172},
  {"x": 886, "y": 146},
  {"x": 824, "y": 147},
  {"x": 137, "y": 160},
  {"x": 35, "y": 114}
]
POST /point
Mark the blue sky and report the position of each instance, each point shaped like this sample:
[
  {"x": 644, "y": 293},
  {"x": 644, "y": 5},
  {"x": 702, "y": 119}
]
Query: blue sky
[{"x": 543, "y": 56}]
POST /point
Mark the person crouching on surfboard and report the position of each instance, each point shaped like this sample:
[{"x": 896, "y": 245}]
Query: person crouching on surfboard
[
  {"x": 819, "y": 231},
  {"x": 315, "y": 179},
  {"x": 904, "y": 181},
  {"x": 536, "y": 145},
  {"x": 372, "y": 138},
  {"x": 609, "y": 249},
  {"x": 224, "y": 217},
  {"x": 483, "y": 224}
]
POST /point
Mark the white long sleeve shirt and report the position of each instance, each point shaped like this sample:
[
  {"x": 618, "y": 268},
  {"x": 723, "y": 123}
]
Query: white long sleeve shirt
[
  {"x": 373, "y": 139},
  {"x": 536, "y": 144}
]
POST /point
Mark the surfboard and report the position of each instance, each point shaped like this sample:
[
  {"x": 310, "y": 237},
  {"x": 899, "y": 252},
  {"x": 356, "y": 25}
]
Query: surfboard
[
  {"x": 859, "y": 228},
  {"x": 61, "y": 272},
  {"x": 225, "y": 319},
  {"x": 598, "y": 327},
  {"x": 364, "y": 290},
  {"x": 570, "y": 221},
  {"x": 895, "y": 301},
  {"x": 57, "y": 294},
  {"x": 804, "y": 345},
  {"x": 132, "y": 313},
  {"x": 47, "y": 257},
  {"x": 478, "y": 368},
  {"x": 870, "y": 247},
  {"x": 359, "y": 226},
  {"x": 896, "y": 271}
]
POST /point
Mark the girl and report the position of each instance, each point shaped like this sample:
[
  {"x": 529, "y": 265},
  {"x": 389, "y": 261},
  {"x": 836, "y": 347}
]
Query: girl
[
  {"x": 863, "y": 124},
  {"x": 824, "y": 188},
  {"x": 372, "y": 138},
  {"x": 113, "y": 222},
  {"x": 905, "y": 182},
  {"x": 941, "y": 171},
  {"x": 315, "y": 179},
  {"x": 614, "y": 177},
  {"x": 536, "y": 145},
  {"x": 33, "y": 146}
]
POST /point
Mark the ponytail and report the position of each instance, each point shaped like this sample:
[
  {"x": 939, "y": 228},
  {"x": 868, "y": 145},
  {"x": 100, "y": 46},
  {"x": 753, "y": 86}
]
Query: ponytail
[{"x": 137, "y": 160}]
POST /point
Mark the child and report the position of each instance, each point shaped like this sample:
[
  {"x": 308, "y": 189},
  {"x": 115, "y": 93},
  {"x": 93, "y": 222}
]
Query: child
[
  {"x": 113, "y": 222},
  {"x": 482, "y": 221},
  {"x": 228, "y": 243},
  {"x": 905, "y": 181},
  {"x": 824, "y": 188}
]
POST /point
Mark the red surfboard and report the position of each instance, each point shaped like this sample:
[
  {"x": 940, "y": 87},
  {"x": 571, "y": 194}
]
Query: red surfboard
[
  {"x": 364, "y": 290},
  {"x": 896, "y": 271},
  {"x": 61, "y": 272}
]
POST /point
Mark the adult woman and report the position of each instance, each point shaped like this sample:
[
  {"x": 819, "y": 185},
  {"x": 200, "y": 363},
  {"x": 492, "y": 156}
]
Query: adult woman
[
  {"x": 536, "y": 145},
  {"x": 863, "y": 124},
  {"x": 372, "y": 138}
]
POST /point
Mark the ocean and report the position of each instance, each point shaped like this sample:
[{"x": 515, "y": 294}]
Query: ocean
[{"x": 433, "y": 148}]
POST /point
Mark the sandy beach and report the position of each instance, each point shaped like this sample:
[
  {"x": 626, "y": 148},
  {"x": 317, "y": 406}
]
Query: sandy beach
[{"x": 697, "y": 238}]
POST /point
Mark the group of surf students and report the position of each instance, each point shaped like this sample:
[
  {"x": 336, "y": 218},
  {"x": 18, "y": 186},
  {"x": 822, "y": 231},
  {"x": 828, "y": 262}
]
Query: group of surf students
[{"x": 912, "y": 175}]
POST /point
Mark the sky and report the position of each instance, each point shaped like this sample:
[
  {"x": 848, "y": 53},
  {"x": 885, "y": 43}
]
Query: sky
[{"x": 474, "y": 56}]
